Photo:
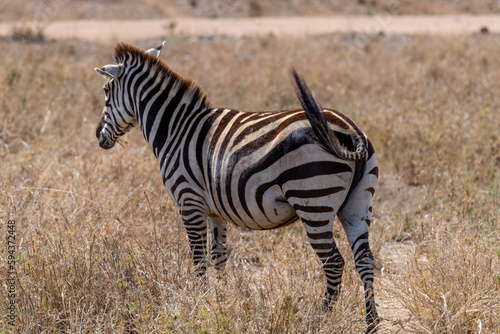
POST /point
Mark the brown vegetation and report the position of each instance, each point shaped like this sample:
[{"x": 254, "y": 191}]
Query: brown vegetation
[
  {"x": 35, "y": 10},
  {"x": 101, "y": 247},
  {"x": 243, "y": 8}
]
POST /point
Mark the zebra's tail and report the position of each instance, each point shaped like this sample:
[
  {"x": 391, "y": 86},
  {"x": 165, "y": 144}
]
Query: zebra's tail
[{"x": 318, "y": 121}]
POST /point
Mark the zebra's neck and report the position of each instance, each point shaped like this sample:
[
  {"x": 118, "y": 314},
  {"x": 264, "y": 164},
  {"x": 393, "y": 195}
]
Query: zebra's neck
[{"x": 164, "y": 102}]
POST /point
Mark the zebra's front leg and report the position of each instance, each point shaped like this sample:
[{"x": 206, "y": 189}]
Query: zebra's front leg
[
  {"x": 196, "y": 227},
  {"x": 218, "y": 235}
]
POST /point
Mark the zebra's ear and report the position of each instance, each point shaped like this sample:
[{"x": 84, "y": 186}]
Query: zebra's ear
[
  {"x": 156, "y": 51},
  {"x": 109, "y": 71}
]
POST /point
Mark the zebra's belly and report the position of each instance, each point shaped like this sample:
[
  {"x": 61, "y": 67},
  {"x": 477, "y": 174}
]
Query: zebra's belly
[
  {"x": 277, "y": 213},
  {"x": 277, "y": 210},
  {"x": 271, "y": 211}
]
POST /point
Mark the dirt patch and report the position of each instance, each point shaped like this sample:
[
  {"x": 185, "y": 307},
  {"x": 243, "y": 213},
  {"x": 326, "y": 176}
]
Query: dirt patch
[
  {"x": 129, "y": 30},
  {"x": 396, "y": 199},
  {"x": 393, "y": 313}
]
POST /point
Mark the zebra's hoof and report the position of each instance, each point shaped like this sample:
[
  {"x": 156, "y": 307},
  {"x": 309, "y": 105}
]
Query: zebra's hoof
[
  {"x": 371, "y": 329},
  {"x": 327, "y": 305},
  {"x": 373, "y": 323},
  {"x": 221, "y": 275},
  {"x": 328, "y": 302}
]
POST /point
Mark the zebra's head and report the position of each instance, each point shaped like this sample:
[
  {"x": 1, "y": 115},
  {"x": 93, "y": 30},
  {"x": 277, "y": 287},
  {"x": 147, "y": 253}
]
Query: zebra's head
[{"x": 116, "y": 119}]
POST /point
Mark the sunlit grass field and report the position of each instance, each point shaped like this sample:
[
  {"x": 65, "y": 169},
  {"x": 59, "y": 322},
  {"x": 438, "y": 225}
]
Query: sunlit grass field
[
  {"x": 101, "y": 248},
  {"x": 26, "y": 10}
]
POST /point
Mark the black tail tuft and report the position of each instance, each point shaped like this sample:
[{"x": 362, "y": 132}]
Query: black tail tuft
[
  {"x": 314, "y": 113},
  {"x": 319, "y": 124}
]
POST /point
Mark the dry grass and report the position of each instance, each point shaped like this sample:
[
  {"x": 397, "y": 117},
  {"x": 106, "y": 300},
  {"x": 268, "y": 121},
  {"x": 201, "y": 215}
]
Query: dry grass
[
  {"x": 101, "y": 247},
  {"x": 242, "y": 8},
  {"x": 48, "y": 10}
]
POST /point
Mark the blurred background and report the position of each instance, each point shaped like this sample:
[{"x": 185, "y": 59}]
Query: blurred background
[{"x": 128, "y": 9}]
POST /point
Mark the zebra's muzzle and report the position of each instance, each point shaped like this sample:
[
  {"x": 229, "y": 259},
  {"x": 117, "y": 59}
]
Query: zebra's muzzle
[{"x": 106, "y": 143}]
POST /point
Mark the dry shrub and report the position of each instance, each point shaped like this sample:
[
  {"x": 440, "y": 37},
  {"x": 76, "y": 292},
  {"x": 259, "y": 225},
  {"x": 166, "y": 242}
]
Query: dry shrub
[
  {"x": 452, "y": 283},
  {"x": 27, "y": 34}
]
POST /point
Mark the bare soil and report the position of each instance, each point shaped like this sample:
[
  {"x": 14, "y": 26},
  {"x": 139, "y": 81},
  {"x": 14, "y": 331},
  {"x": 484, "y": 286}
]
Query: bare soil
[{"x": 134, "y": 29}]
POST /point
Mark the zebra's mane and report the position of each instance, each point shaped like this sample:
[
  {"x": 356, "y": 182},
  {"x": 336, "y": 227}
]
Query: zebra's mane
[{"x": 125, "y": 52}]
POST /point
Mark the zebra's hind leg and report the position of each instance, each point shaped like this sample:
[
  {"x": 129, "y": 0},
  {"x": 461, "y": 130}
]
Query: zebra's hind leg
[
  {"x": 355, "y": 216},
  {"x": 218, "y": 234},
  {"x": 363, "y": 259},
  {"x": 320, "y": 235},
  {"x": 318, "y": 221}
]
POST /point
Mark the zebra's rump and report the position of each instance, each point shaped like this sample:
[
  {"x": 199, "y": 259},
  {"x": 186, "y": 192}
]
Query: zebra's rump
[{"x": 256, "y": 161}]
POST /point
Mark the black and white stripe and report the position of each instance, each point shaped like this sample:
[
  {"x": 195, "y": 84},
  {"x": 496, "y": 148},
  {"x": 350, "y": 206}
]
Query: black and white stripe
[{"x": 259, "y": 170}]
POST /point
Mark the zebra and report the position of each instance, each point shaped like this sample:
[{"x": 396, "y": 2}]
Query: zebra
[{"x": 258, "y": 170}]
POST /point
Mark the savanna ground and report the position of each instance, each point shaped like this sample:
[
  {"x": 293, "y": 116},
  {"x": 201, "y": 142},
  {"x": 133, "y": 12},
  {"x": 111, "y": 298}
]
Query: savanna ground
[
  {"x": 130, "y": 9},
  {"x": 101, "y": 248}
]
